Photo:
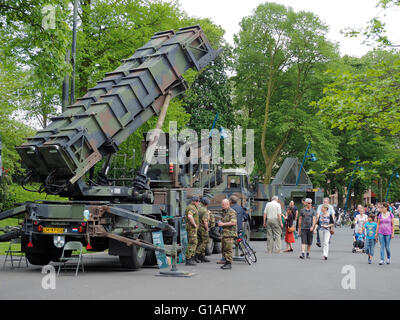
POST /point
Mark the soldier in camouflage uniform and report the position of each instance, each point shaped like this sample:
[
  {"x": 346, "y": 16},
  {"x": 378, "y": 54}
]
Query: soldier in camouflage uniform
[
  {"x": 229, "y": 224},
  {"x": 202, "y": 233},
  {"x": 192, "y": 224}
]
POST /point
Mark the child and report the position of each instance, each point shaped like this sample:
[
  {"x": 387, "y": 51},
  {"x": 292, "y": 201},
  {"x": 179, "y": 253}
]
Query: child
[
  {"x": 370, "y": 228},
  {"x": 289, "y": 236},
  {"x": 358, "y": 239}
]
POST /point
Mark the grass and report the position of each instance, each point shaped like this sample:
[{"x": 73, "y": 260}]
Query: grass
[{"x": 7, "y": 223}]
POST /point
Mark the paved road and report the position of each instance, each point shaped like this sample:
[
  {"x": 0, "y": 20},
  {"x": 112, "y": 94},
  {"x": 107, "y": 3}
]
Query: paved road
[{"x": 276, "y": 276}]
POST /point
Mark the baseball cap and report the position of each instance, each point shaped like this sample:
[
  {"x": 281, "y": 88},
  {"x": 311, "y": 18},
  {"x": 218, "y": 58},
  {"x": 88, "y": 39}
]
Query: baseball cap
[{"x": 308, "y": 200}]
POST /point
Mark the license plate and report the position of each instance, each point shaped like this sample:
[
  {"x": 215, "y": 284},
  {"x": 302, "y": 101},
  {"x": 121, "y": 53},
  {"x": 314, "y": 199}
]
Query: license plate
[{"x": 53, "y": 230}]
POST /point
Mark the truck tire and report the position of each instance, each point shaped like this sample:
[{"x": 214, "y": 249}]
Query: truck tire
[
  {"x": 210, "y": 247},
  {"x": 134, "y": 261},
  {"x": 38, "y": 259},
  {"x": 217, "y": 247}
]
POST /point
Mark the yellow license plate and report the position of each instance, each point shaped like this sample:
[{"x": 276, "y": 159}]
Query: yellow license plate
[{"x": 53, "y": 230}]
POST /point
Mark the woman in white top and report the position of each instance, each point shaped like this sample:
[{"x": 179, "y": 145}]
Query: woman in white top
[{"x": 360, "y": 219}]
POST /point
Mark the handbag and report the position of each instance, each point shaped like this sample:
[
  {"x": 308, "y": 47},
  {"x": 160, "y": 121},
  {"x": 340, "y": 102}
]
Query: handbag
[
  {"x": 291, "y": 229},
  {"x": 331, "y": 231}
]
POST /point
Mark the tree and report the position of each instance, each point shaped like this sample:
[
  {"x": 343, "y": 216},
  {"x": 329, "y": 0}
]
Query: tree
[
  {"x": 39, "y": 48},
  {"x": 368, "y": 99},
  {"x": 280, "y": 55},
  {"x": 211, "y": 93},
  {"x": 375, "y": 31}
]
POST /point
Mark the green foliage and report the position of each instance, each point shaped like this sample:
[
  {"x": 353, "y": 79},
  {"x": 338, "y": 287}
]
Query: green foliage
[
  {"x": 365, "y": 100},
  {"x": 375, "y": 31},
  {"x": 280, "y": 58},
  {"x": 39, "y": 50},
  {"x": 210, "y": 94}
]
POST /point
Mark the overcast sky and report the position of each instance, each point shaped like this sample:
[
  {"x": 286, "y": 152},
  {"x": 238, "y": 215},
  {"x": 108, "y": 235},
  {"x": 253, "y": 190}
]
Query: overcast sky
[{"x": 337, "y": 14}]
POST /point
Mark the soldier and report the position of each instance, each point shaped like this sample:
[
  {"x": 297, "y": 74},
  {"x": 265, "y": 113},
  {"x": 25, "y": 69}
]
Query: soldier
[
  {"x": 229, "y": 224},
  {"x": 202, "y": 233},
  {"x": 192, "y": 223}
]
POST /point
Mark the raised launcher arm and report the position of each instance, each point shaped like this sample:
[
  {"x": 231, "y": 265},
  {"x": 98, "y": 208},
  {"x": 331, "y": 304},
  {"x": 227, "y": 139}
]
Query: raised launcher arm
[{"x": 63, "y": 152}]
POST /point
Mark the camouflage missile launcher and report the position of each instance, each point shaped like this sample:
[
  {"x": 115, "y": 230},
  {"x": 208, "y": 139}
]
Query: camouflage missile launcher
[{"x": 100, "y": 215}]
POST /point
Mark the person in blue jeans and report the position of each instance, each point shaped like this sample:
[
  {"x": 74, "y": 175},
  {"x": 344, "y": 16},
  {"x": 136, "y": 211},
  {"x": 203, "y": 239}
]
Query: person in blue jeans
[
  {"x": 370, "y": 233},
  {"x": 385, "y": 232}
]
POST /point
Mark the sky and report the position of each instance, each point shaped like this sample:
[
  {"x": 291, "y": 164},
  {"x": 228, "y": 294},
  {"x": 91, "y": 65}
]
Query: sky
[{"x": 337, "y": 14}]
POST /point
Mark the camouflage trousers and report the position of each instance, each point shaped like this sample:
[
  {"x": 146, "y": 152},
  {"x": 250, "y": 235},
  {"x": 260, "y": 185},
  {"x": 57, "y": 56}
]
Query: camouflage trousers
[
  {"x": 192, "y": 243},
  {"x": 227, "y": 244},
  {"x": 202, "y": 241}
]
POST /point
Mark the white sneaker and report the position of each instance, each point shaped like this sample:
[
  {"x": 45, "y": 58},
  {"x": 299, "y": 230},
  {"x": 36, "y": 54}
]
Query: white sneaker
[
  {"x": 388, "y": 261},
  {"x": 381, "y": 262}
]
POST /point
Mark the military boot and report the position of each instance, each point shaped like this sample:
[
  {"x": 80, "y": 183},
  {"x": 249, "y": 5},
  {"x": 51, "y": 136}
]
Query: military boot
[
  {"x": 196, "y": 258},
  {"x": 227, "y": 266},
  {"x": 190, "y": 262},
  {"x": 204, "y": 259}
]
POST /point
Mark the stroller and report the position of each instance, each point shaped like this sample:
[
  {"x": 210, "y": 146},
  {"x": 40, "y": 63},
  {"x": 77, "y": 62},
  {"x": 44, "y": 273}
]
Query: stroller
[{"x": 358, "y": 243}]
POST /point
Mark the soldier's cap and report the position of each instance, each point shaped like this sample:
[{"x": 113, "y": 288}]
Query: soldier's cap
[
  {"x": 195, "y": 198},
  {"x": 205, "y": 200}
]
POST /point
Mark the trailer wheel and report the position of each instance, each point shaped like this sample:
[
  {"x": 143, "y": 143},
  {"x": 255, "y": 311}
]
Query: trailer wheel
[
  {"x": 210, "y": 247},
  {"x": 38, "y": 259},
  {"x": 134, "y": 261}
]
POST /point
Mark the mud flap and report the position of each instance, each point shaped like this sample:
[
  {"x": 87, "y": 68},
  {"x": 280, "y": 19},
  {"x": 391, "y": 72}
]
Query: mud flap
[{"x": 158, "y": 241}]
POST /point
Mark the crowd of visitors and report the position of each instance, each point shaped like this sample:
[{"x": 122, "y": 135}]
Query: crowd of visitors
[{"x": 371, "y": 224}]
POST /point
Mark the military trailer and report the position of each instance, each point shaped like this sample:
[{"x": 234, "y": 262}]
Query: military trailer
[{"x": 62, "y": 158}]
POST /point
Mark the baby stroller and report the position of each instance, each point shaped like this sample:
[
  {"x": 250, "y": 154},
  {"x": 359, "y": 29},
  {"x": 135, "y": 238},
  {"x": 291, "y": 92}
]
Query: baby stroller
[{"x": 358, "y": 244}]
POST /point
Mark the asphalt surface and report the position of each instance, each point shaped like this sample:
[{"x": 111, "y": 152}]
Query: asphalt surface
[{"x": 274, "y": 276}]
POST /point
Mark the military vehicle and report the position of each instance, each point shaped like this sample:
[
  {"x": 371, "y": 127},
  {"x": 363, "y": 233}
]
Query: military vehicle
[
  {"x": 253, "y": 195},
  {"x": 63, "y": 156},
  {"x": 284, "y": 186}
]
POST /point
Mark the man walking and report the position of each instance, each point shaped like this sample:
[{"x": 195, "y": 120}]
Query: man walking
[
  {"x": 192, "y": 223},
  {"x": 274, "y": 225},
  {"x": 202, "y": 232},
  {"x": 307, "y": 221},
  {"x": 229, "y": 232}
]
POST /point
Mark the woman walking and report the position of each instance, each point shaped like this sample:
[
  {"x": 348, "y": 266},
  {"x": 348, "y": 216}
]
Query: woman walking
[
  {"x": 289, "y": 236},
  {"x": 360, "y": 219},
  {"x": 326, "y": 224},
  {"x": 385, "y": 231}
]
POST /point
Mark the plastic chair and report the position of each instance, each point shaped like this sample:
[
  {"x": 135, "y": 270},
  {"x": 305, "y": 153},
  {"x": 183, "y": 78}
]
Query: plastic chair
[
  {"x": 72, "y": 246},
  {"x": 15, "y": 253}
]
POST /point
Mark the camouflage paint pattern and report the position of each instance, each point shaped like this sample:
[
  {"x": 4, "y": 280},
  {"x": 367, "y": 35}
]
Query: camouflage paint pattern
[
  {"x": 74, "y": 148},
  {"x": 191, "y": 230},
  {"x": 202, "y": 234},
  {"x": 227, "y": 248},
  {"x": 28, "y": 151}
]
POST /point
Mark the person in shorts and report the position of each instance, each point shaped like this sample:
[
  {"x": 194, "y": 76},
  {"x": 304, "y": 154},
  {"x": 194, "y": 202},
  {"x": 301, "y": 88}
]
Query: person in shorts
[{"x": 307, "y": 222}]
